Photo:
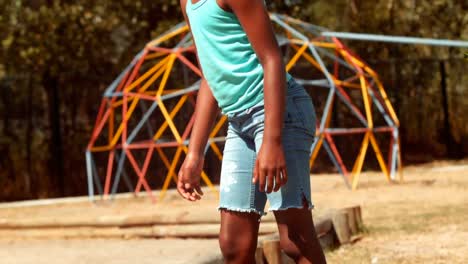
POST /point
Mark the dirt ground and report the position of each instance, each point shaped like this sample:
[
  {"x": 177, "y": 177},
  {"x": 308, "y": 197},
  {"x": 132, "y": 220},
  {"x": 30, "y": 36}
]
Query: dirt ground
[{"x": 422, "y": 220}]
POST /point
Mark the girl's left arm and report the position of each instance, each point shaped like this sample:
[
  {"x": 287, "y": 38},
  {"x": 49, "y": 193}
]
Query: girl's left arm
[{"x": 270, "y": 167}]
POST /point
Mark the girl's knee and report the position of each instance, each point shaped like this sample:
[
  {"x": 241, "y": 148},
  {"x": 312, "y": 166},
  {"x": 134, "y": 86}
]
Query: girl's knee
[{"x": 235, "y": 247}]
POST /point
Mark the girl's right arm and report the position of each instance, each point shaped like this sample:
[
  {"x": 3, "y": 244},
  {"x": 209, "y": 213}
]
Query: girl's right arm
[{"x": 206, "y": 110}]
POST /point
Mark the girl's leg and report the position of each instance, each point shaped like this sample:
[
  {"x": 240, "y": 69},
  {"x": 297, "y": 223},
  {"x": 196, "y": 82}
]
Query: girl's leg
[
  {"x": 241, "y": 203},
  {"x": 238, "y": 236},
  {"x": 297, "y": 235}
]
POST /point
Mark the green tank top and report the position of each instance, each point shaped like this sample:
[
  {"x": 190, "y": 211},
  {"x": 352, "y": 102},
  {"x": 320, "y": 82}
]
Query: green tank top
[{"x": 228, "y": 61}]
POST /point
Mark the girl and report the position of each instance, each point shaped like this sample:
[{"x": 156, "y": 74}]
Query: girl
[{"x": 271, "y": 129}]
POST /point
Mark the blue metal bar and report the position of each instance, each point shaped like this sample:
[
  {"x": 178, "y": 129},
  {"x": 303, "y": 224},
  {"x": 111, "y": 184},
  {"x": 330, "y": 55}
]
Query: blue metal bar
[
  {"x": 149, "y": 127},
  {"x": 338, "y": 130},
  {"x": 307, "y": 26},
  {"x": 115, "y": 83},
  {"x": 395, "y": 154},
  {"x": 319, "y": 61},
  {"x": 335, "y": 162},
  {"x": 89, "y": 173},
  {"x": 142, "y": 122},
  {"x": 96, "y": 176},
  {"x": 119, "y": 173},
  {"x": 334, "y": 57},
  {"x": 397, "y": 39},
  {"x": 380, "y": 107}
]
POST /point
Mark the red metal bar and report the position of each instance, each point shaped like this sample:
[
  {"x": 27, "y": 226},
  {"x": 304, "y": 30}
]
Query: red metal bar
[
  {"x": 142, "y": 96},
  {"x": 170, "y": 144},
  {"x": 188, "y": 128},
  {"x": 189, "y": 64},
  {"x": 100, "y": 112},
  {"x": 97, "y": 131},
  {"x": 149, "y": 154},
  {"x": 136, "y": 68},
  {"x": 137, "y": 170},
  {"x": 337, "y": 155},
  {"x": 159, "y": 49},
  {"x": 110, "y": 164}
]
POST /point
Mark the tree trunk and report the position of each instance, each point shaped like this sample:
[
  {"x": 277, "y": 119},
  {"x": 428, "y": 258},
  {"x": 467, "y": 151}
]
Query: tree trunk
[
  {"x": 50, "y": 84},
  {"x": 29, "y": 141},
  {"x": 453, "y": 149}
]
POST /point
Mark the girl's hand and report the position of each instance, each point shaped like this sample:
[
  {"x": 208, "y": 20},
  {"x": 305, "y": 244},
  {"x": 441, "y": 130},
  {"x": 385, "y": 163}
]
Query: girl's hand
[
  {"x": 270, "y": 167},
  {"x": 188, "y": 184}
]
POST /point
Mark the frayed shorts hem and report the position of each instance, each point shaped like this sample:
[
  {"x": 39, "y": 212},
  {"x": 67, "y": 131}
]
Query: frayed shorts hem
[
  {"x": 309, "y": 207},
  {"x": 240, "y": 210},
  {"x": 262, "y": 213}
]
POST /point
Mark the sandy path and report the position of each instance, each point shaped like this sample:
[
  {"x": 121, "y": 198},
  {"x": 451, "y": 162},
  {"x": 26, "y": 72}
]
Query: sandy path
[{"x": 423, "y": 220}]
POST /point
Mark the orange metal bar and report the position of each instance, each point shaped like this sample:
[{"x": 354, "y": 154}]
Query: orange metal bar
[
  {"x": 296, "y": 56},
  {"x": 359, "y": 161},
  {"x": 169, "y": 120},
  {"x": 162, "y": 194},
  {"x": 163, "y": 82},
  {"x": 379, "y": 156},
  {"x": 147, "y": 74},
  {"x": 367, "y": 103},
  {"x": 174, "y": 111},
  {"x": 161, "y": 39},
  {"x": 314, "y": 155},
  {"x": 166, "y": 163}
]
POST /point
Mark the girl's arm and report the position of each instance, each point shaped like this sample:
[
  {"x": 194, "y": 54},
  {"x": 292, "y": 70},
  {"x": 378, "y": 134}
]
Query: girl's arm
[
  {"x": 206, "y": 110},
  {"x": 255, "y": 20}
]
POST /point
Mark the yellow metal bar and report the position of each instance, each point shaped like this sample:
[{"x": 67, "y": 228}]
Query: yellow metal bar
[
  {"x": 120, "y": 102},
  {"x": 386, "y": 100},
  {"x": 152, "y": 79},
  {"x": 163, "y": 82},
  {"x": 216, "y": 150},
  {"x": 310, "y": 59},
  {"x": 174, "y": 111},
  {"x": 171, "y": 171},
  {"x": 167, "y": 36},
  {"x": 315, "y": 43},
  {"x": 379, "y": 156},
  {"x": 166, "y": 163},
  {"x": 147, "y": 74},
  {"x": 360, "y": 161},
  {"x": 218, "y": 126},
  {"x": 296, "y": 56},
  {"x": 324, "y": 44},
  {"x": 102, "y": 148},
  {"x": 346, "y": 84},
  {"x": 155, "y": 55},
  {"x": 365, "y": 97},
  {"x": 314, "y": 155},
  {"x": 169, "y": 120}
]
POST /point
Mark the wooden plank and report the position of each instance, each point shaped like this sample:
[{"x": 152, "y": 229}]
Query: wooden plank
[{"x": 341, "y": 226}]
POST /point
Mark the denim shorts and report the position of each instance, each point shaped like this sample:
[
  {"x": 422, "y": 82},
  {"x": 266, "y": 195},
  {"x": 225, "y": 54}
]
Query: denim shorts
[{"x": 243, "y": 141}]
